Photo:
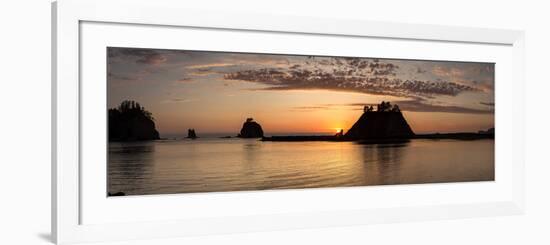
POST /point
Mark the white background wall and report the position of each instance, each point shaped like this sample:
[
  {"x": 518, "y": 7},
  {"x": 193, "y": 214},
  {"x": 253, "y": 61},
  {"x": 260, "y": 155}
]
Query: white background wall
[{"x": 25, "y": 122}]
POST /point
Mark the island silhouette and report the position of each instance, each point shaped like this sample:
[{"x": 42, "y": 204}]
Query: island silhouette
[
  {"x": 191, "y": 133},
  {"x": 251, "y": 129},
  {"x": 385, "y": 124},
  {"x": 131, "y": 122},
  {"x": 379, "y": 123}
]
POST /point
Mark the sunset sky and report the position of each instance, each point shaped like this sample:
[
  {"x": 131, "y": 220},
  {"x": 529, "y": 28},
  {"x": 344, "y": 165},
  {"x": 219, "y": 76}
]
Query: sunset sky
[{"x": 214, "y": 92}]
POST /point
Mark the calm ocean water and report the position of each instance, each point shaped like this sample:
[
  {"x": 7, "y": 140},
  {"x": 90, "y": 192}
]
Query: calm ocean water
[{"x": 213, "y": 165}]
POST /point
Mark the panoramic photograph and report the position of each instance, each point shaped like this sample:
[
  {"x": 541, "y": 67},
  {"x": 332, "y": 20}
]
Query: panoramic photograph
[{"x": 188, "y": 121}]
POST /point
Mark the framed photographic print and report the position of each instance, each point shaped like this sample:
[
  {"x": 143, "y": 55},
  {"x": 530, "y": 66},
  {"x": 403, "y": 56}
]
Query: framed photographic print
[
  {"x": 207, "y": 123},
  {"x": 321, "y": 121}
]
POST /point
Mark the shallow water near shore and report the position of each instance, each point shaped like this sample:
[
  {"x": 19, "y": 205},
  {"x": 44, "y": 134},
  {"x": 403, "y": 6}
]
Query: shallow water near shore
[{"x": 214, "y": 164}]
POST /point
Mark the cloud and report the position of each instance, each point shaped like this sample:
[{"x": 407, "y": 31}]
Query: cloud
[
  {"x": 141, "y": 55},
  {"x": 415, "y": 105},
  {"x": 485, "y": 86},
  {"x": 492, "y": 104},
  {"x": 176, "y": 100},
  {"x": 296, "y": 66},
  {"x": 401, "y": 78},
  {"x": 184, "y": 80},
  {"x": 478, "y": 75},
  {"x": 447, "y": 72},
  {"x": 348, "y": 74},
  {"x": 113, "y": 52},
  {"x": 421, "y": 106},
  {"x": 209, "y": 65},
  {"x": 311, "y": 108},
  {"x": 205, "y": 72},
  {"x": 152, "y": 59}
]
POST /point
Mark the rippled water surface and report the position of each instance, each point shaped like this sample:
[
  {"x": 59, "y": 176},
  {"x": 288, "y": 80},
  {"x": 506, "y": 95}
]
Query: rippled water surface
[{"x": 206, "y": 165}]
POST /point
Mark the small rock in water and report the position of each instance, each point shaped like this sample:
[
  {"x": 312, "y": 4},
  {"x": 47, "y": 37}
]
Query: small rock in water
[
  {"x": 191, "y": 133},
  {"x": 251, "y": 129}
]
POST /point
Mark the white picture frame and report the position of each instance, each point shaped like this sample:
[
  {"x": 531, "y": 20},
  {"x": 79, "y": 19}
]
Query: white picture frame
[{"x": 68, "y": 197}]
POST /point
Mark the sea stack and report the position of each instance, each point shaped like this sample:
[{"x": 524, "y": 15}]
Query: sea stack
[
  {"x": 251, "y": 129},
  {"x": 191, "y": 133},
  {"x": 386, "y": 122},
  {"x": 131, "y": 122}
]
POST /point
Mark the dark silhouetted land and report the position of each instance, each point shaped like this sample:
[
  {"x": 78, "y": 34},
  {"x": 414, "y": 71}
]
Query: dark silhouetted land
[
  {"x": 251, "y": 129},
  {"x": 191, "y": 133},
  {"x": 131, "y": 122},
  {"x": 386, "y": 124}
]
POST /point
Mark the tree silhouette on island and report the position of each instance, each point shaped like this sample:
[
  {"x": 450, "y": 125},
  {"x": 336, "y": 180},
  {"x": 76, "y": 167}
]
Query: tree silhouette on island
[
  {"x": 386, "y": 122},
  {"x": 131, "y": 122}
]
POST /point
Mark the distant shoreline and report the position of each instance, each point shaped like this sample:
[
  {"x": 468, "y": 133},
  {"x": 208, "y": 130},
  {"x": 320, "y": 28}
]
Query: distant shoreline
[
  {"x": 457, "y": 136},
  {"x": 333, "y": 138}
]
